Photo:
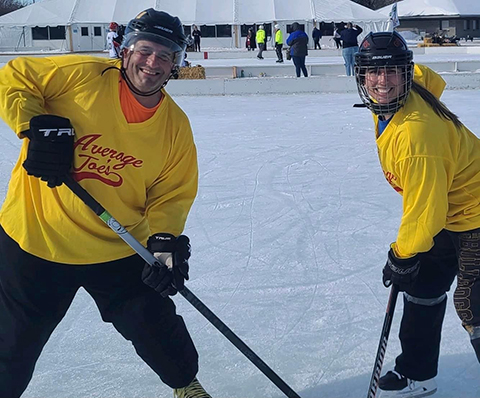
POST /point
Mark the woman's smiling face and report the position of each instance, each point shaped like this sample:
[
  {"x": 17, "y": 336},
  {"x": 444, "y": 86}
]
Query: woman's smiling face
[{"x": 385, "y": 84}]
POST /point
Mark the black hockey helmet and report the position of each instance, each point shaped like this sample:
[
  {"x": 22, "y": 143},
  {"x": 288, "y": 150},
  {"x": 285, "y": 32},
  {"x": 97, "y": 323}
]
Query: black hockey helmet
[
  {"x": 383, "y": 48},
  {"x": 159, "y": 27},
  {"x": 387, "y": 50}
]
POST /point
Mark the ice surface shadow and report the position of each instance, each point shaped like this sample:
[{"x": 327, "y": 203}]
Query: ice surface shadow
[{"x": 459, "y": 377}]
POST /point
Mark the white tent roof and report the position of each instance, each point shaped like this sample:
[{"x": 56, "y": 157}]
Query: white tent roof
[
  {"x": 65, "y": 12},
  {"x": 417, "y": 8}
]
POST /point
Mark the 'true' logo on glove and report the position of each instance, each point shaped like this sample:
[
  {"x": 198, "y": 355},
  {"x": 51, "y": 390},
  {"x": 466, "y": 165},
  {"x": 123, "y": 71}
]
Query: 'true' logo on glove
[{"x": 57, "y": 132}]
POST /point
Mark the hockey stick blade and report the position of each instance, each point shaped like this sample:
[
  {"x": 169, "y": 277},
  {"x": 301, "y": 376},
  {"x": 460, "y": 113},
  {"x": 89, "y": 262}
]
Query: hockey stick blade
[{"x": 359, "y": 105}]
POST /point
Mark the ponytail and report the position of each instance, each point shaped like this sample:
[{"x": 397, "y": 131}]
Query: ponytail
[{"x": 438, "y": 107}]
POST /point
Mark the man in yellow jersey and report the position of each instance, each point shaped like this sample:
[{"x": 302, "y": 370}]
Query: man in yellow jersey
[
  {"x": 123, "y": 139},
  {"x": 433, "y": 161}
]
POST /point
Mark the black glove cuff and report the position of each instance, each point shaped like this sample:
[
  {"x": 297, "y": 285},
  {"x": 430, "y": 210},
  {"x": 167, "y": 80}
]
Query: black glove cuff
[
  {"x": 51, "y": 128},
  {"x": 402, "y": 266},
  {"x": 161, "y": 243},
  {"x": 400, "y": 271}
]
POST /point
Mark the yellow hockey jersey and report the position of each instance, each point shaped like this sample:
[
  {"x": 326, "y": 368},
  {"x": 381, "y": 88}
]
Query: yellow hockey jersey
[
  {"x": 434, "y": 165},
  {"x": 145, "y": 174}
]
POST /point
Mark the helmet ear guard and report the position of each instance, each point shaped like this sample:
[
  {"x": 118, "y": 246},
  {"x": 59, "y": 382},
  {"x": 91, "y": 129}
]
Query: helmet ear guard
[{"x": 378, "y": 53}]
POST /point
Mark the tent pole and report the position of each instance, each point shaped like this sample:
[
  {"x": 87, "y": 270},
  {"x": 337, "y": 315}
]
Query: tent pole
[{"x": 70, "y": 37}]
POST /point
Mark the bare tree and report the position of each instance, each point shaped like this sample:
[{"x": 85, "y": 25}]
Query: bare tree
[
  {"x": 375, "y": 4},
  {"x": 7, "y": 6}
]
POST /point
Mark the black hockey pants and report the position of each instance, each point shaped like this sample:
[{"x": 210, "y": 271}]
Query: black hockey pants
[
  {"x": 35, "y": 295},
  {"x": 425, "y": 303}
]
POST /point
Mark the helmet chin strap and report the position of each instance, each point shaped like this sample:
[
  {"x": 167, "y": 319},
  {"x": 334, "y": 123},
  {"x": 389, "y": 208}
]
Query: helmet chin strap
[{"x": 135, "y": 90}]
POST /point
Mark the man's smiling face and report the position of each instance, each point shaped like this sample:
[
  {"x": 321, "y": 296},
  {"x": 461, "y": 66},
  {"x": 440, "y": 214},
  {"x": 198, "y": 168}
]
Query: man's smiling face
[{"x": 148, "y": 65}]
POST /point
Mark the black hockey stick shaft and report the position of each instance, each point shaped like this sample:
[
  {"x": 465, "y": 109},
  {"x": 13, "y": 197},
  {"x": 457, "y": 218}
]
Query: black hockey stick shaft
[
  {"x": 185, "y": 292},
  {"x": 237, "y": 342},
  {"x": 382, "y": 344}
]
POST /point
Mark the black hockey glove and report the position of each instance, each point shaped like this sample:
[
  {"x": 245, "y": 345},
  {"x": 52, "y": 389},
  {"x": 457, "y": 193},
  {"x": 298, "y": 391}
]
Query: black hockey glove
[
  {"x": 168, "y": 275},
  {"x": 400, "y": 272},
  {"x": 50, "y": 150}
]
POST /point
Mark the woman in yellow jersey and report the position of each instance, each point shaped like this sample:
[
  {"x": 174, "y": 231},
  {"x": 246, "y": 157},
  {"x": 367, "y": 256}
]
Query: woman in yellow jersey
[
  {"x": 124, "y": 139},
  {"x": 433, "y": 161}
]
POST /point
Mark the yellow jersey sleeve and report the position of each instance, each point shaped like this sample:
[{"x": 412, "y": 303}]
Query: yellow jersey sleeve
[{"x": 425, "y": 183}]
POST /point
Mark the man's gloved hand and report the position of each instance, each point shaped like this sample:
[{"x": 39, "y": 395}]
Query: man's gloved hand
[
  {"x": 399, "y": 271},
  {"x": 50, "y": 150},
  {"x": 168, "y": 275}
]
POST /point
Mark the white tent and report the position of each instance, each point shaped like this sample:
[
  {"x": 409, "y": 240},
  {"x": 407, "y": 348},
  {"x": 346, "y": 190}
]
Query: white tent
[
  {"x": 78, "y": 14},
  {"x": 419, "y": 8},
  {"x": 190, "y": 11}
]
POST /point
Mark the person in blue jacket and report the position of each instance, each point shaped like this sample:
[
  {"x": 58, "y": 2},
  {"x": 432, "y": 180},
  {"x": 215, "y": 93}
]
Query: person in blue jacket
[
  {"x": 298, "y": 40},
  {"x": 349, "y": 37}
]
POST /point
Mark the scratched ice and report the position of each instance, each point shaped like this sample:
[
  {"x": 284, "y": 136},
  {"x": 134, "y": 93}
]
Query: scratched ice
[{"x": 289, "y": 234}]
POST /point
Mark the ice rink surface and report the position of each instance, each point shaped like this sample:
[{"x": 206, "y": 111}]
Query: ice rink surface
[{"x": 290, "y": 232}]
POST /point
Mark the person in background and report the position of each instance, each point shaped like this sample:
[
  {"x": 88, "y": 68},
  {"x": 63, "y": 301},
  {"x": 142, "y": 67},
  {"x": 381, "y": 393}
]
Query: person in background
[
  {"x": 250, "y": 41},
  {"x": 316, "y": 35},
  {"x": 278, "y": 43},
  {"x": 298, "y": 42},
  {"x": 111, "y": 126},
  {"x": 113, "y": 46},
  {"x": 185, "y": 63},
  {"x": 119, "y": 38},
  {"x": 197, "y": 35},
  {"x": 260, "y": 39},
  {"x": 349, "y": 39},
  {"x": 190, "y": 43},
  {"x": 431, "y": 159},
  {"x": 336, "y": 38}
]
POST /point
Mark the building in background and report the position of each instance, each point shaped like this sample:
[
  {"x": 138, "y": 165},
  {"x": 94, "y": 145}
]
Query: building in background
[{"x": 459, "y": 18}]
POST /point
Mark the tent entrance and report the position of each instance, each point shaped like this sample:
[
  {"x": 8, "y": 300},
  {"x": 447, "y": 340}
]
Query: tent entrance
[{"x": 89, "y": 37}]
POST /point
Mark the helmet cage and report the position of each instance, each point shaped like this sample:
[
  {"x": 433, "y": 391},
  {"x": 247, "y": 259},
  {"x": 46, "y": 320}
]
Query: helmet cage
[
  {"x": 404, "y": 77},
  {"x": 384, "y": 53}
]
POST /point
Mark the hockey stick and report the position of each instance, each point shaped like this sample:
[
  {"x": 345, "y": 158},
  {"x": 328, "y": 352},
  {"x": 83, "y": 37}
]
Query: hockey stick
[
  {"x": 382, "y": 345},
  {"x": 107, "y": 218}
]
